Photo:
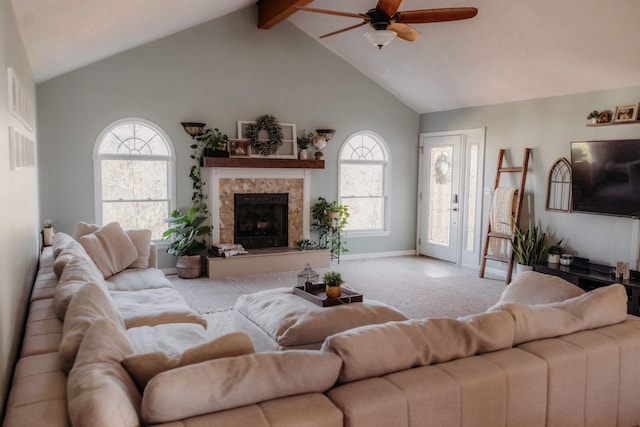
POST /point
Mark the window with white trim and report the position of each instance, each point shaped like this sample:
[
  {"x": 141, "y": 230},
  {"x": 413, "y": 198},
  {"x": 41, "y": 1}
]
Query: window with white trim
[
  {"x": 364, "y": 182},
  {"x": 134, "y": 175}
]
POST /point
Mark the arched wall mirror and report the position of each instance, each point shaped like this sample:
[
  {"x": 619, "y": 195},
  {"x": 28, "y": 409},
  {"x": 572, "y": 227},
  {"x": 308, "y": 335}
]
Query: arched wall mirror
[{"x": 559, "y": 186}]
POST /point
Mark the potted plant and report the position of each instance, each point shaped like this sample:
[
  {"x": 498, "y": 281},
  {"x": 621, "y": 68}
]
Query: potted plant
[
  {"x": 318, "y": 155},
  {"x": 593, "y": 116},
  {"x": 554, "y": 252},
  {"x": 528, "y": 246},
  {"x": 213, "y": 142},
  {"x": 186, "y": 234},
  {"x": 329, "y": 220},
  {"x": 304, "y": 140},
  {"x": 332, "y": 281}
]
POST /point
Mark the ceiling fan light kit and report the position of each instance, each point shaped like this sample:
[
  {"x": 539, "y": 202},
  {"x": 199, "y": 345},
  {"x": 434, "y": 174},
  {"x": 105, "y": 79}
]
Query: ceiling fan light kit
[
  {"x": 387, "y": 22},
  {"x": 380, "y": 38}
]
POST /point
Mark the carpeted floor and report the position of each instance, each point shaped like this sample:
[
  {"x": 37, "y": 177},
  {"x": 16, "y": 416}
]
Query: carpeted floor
[{"x": 418, "y": 286}]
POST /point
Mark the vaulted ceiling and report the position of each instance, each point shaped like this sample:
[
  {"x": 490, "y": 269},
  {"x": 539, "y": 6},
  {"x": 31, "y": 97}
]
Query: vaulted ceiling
[{"x": 511, "y": 51}]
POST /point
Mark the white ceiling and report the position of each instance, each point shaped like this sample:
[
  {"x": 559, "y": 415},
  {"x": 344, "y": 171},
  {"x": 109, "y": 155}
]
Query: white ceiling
[{"x": 511, "y": 51}]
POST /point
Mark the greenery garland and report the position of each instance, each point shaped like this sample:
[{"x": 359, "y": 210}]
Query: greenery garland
[{"x": 270, "y": 124}]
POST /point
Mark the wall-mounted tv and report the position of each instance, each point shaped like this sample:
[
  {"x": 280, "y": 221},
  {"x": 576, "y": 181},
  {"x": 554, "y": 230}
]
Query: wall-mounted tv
[{"x": 606, "y": 177}]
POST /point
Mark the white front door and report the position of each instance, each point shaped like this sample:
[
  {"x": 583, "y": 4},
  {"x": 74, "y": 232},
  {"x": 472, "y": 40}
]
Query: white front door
[{"x": 450, "y": 201}]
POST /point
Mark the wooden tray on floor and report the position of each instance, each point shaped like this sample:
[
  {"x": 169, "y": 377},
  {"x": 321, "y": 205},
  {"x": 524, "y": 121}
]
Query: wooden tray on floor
[{"x": 319, "y": 297}]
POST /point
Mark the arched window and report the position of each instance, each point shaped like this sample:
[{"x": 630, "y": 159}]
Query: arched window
[
  {"x": 134, "y": 175},
  {"x": 364, "y": 183}
]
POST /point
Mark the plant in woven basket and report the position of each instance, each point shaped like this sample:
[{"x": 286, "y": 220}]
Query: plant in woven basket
[{"x": 186, "y": 233}]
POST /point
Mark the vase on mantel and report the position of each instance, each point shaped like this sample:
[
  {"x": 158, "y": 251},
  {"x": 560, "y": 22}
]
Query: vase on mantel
[{"x": 303, "y": 155}]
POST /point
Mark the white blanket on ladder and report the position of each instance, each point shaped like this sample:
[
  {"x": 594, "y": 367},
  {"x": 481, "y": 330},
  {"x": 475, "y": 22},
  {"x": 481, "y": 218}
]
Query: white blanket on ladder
[{"x": 501, "y": 220}]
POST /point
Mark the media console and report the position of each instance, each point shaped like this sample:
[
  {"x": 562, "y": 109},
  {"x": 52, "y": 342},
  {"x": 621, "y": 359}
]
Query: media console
[{"x": 590, "y": 276}]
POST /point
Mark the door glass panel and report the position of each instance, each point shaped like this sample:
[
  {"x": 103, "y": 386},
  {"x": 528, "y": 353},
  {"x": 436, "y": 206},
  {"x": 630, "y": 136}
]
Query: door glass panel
[
  {"x": 472, "y": 197},
  {"x": 440, "y": 191}
]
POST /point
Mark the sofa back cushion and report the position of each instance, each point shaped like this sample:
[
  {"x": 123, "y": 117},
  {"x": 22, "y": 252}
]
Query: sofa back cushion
[
  {"x": 82, "y": 228},
  {"x": 110, "y": 248},
  {"x": 72, "y": 250},
  {"x": 77, "y": 272},
  {"x": 375, "y": 350},
  {"x": 90, "y": 304},
  {"x": 100, "y": 393},
  {"x": 143, "y": 367},
  {"x": 594, "y": 309},
  {"x": 60, "y": 241},
  {"x": 232, "y": 382}
]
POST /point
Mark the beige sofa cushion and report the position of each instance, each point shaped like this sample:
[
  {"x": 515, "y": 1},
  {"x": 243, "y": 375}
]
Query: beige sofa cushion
[
  {"x": 171, "y": 338},
  {"x": 293, "y": 321},
  {"x": 138, "y": 279},
  {"x": 531, "y": 287},
  {"x": 82, "y": 228},
  {"x": 100, "y": 393},
  {"x": 594, "y": 309},
  {"x": 72, "y": 250},
  {"x": 110, "y": 248},
  {"x": 142, "y": 241},
  {"x": 372, "y": 351},
  {"x": 77, "y": 272},
  {"x": 143, "y": 367},
  {"x": 90, "y": 304},
  {"x": 60, "y": 241},
  {"x": 150, "y": 307},
  {"x": 232, "y": 382}
]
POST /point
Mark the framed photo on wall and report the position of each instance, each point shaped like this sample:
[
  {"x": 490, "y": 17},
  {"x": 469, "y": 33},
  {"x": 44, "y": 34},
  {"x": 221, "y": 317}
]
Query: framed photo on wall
[{"x": 626, "y": 113}]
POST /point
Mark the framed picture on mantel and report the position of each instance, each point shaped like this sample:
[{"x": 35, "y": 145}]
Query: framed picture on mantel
[
  {"x": 239, "y": 148},
  {"x": 287, "y": 150}
]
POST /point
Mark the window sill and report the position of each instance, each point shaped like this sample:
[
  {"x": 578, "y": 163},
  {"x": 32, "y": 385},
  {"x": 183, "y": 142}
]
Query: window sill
[{"x": 374, "y": 233}]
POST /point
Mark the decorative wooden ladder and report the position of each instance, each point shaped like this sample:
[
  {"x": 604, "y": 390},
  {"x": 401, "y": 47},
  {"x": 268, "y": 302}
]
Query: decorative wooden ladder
[{"x": 516, "y": 214}]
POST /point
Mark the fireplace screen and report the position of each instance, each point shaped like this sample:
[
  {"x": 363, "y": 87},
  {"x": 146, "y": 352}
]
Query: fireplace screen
[{"x": 260, "y": 220}]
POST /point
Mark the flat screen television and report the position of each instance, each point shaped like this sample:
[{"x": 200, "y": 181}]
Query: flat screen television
[{"x": 605, "y": 177}]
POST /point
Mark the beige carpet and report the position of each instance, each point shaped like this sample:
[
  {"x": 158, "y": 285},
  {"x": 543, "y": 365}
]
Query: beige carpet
[{"x": 418, "y": 286}]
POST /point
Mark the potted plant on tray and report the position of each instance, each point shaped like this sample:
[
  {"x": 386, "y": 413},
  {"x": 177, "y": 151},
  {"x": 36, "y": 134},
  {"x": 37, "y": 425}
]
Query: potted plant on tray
[
  {"x": 332, "y": 281},
  {"x": 528, "y": 246},
  {"x": 186, "y": 234}
]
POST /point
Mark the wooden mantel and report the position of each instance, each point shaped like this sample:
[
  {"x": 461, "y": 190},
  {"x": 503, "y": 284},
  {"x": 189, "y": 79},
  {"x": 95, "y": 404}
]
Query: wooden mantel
[{"x": 241, "y": 162}]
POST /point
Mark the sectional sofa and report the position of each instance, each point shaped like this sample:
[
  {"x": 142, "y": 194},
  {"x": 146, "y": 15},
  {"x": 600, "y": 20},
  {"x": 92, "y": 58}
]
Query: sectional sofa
[{"x": 109, "y": 342}]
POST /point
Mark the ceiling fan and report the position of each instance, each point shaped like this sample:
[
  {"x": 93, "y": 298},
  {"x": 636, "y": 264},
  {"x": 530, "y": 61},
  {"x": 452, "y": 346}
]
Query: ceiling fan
[{"x": 388, "y": 22}]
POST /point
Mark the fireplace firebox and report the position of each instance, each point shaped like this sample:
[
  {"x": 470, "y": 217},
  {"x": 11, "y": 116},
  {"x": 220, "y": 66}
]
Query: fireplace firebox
[{"x": 261, "y": 220}]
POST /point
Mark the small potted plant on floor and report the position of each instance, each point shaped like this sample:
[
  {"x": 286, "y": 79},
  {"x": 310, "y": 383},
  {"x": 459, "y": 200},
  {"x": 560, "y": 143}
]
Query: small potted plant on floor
[{"x": 332, "y": 281}]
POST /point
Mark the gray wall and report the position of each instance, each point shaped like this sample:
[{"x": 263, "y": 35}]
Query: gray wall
[
  {"x": 220, "y": 72},
  {"x": 548, "y": 125},
  {"x": 19, "y": 208}
]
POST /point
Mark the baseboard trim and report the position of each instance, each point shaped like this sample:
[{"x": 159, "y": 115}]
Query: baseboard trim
[{"x": 372, "y": 255}]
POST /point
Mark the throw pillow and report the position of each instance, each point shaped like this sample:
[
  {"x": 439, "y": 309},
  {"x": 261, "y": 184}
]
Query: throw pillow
[
  {"x": 79, "y": 271},
  {"x": 142, "y": 241},
  {"x": 110, "y": 248},
  {"x": 82, "y": 228},
  {"x": 89, "y": 304},
  {"x": 143, "y": 367},
  {"x": 532, "y": 287},
  {"x": 232, "y": 382},
  {"x": 72, "y": 250},
  {"x": 100, "y": 393},
  {"x": 60, "y": 241}
]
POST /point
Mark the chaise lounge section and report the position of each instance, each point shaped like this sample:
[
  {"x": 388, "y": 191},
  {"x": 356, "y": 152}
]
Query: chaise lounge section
[{"x": 547, "y": 354}]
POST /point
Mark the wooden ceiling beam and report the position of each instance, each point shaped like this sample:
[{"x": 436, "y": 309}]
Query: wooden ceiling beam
[{"x": 271, "y": 12}]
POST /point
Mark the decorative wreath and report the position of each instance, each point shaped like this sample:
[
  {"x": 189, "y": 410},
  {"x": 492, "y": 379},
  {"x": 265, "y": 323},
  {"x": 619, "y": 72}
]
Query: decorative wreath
[
  {"x": 270, "y": 124},
  {"x": 442, "y": 169}
]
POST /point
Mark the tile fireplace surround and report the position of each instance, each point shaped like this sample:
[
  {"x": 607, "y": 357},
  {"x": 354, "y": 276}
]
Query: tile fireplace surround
[{"x": 225, "y": 182}]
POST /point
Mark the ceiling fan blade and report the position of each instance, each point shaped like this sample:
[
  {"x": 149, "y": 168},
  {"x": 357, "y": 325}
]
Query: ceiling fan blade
[
  {"x": 435, "y": 15},
  {"x": 390, "y": 7},
  {"x": 343, "y": 30},
  {"x": 333, "y": 12},
  {"x": 405, "y": 32}
]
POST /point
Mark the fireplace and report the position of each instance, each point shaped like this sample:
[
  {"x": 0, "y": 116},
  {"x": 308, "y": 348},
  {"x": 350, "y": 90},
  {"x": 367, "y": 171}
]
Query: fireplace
[{"x": 261, "y": 220}]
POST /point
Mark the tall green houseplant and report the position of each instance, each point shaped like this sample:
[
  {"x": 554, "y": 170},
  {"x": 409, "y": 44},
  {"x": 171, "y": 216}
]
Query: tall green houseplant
[{"x": 529, "y": 245}]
